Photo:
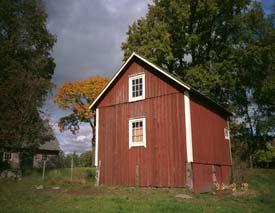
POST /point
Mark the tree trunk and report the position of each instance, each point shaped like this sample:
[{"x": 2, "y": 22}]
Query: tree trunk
[
  {"x": 93, "y": 140},
  {"x": 250, "y": 162}
]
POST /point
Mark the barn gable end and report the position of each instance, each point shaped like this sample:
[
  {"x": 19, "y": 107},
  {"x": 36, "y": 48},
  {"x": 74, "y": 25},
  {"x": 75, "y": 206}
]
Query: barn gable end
[{"x": 160, "y": 163}]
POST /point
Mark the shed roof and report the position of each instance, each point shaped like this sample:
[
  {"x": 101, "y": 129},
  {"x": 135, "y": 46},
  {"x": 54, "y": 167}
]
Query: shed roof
[
  {"x": 51, "y": 145},
  {"x": 164, "y": 72}
]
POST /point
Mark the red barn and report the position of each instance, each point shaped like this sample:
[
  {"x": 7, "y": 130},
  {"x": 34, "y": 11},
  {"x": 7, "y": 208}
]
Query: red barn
[{"x": 152, "y": 129}]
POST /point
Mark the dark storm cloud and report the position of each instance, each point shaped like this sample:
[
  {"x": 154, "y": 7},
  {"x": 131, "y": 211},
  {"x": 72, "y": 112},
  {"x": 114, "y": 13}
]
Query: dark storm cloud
[{"x": 89, "y": 35}]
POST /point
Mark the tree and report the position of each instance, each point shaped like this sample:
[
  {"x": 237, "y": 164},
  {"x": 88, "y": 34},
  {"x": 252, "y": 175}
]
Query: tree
[
  {"x": 68, "y": 160},
  {"x": 76, "y": 97},
  {"x": 86, "y": 159},
  {"x": 265, "y": 156},
  {"x": 224, "y": 49},
  {"x": 178, "y": 36},
  {"x": 26, "y": 68}
]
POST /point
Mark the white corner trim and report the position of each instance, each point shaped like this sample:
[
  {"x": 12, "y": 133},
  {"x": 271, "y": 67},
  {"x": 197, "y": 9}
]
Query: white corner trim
[
  {"x": 188, "y": 127},
  {"x": 135, "y": 144},
  {"x": 96, "y": 136},
  {"x": 130, "y": 93},
  {"x": 226, "y": 133},
  {"x": 229, "y": 141},
  {"x": 122, "y": 67}
]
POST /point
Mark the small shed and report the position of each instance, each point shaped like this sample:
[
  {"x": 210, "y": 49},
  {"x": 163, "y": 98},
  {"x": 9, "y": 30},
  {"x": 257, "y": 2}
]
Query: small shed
[
  {"x": 47, "y": 152},
  {"x": 154, "y": 130}
]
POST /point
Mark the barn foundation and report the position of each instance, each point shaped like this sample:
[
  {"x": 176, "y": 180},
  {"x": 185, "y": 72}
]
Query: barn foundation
[{"x": 189, "y": 176}]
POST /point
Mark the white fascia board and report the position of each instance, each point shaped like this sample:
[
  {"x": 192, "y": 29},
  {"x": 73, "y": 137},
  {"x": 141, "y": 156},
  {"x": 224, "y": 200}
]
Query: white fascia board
[
  {"x": 188, "y": 127},
  {"x": 147, "y": 62},
  {"x": 160, "y": 70},
  {"x": 112, "y": 80}
]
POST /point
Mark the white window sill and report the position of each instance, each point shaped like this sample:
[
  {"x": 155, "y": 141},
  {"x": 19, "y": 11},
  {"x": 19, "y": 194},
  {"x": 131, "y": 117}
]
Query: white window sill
[
  {"x": 137, "y": 145},
  {"x": 136, "y": 99}
]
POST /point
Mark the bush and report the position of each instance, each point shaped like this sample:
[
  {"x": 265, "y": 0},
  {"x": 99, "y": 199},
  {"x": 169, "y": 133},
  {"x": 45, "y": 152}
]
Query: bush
[
  {"x": 89, "y": 174},
  {"x": 265, "y": 157}
]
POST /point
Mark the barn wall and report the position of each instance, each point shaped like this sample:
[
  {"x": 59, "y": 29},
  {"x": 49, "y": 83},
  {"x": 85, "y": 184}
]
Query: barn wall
[
  {"x": 162, "y": 162},
  {"x": 209, "y": 147}
]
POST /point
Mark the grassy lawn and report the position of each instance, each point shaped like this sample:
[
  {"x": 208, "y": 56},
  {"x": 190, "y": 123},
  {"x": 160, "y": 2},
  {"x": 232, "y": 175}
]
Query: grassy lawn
[{"x": 81, "y": 196}]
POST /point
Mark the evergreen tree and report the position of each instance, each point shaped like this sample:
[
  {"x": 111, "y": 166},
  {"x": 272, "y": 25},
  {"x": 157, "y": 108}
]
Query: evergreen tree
[{"x": 26, "y": 68}]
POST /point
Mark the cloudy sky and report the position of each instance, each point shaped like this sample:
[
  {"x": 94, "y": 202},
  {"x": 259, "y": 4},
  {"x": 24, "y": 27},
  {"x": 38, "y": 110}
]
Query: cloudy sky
[{"x": 89, "y": 35}]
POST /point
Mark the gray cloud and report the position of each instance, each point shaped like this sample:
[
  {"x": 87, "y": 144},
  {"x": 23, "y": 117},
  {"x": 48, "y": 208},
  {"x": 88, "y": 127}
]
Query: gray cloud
[
  {"x": 89, "y": 35},
  {"x": 70, "y": 143}
]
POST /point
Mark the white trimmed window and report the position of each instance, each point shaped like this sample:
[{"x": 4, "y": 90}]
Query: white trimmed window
[
  {"x": 137, "y": 132},
  {"x": 44, "y": 157},
  {"x": 137, "y": 87},
  {"x": 226, "y": 133},
  {"x": 6, "y": 156}
]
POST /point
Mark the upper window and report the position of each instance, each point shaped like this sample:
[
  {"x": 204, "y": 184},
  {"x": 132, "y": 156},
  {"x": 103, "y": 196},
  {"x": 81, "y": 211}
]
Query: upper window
[
  {"x": 137, "y": 87},
  {"x": 137, "y": 132}
]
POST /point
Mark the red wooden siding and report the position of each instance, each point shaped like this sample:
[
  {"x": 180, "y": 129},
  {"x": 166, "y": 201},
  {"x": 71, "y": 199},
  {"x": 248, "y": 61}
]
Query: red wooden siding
[
  {"x": 202, "y": 177},
  {"x": 203, "y": 174},
  {"x": 162, "y": 162},
  {"x": 154, "y": 86},
  {"x": 209, "y": 146}
]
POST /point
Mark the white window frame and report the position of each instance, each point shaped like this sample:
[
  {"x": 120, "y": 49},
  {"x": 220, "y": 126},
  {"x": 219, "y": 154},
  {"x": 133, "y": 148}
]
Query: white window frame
[
  {"x": 5, "y": 156},
  {"x": 226, "y": 133},
  {"x": 44, "y": 157},
  {"x": 131, "y": 78},
  {"x": 137, "y": 144}
]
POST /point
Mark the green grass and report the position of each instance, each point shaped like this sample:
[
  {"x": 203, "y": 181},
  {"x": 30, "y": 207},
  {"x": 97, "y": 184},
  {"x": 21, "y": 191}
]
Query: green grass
[{"x": 82, "y": 196}]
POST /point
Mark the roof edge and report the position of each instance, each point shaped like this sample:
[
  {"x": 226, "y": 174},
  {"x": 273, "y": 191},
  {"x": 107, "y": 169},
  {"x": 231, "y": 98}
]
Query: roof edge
[
  {"x": 184, "y": 85},
  {"x": 111, "y": 81},
  {"x": 134, "y": 54}
]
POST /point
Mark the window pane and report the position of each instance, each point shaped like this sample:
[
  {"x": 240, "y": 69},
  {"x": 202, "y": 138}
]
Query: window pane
[
  {"x": 140, "y": 80},
  {"x": 137, "y": 131}
]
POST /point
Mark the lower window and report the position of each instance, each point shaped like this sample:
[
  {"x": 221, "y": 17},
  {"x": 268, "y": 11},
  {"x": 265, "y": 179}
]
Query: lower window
[{"x": 137, "y": 132}]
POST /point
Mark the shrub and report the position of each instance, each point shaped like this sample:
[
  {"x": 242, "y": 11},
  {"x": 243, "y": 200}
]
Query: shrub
[{"x": 89, "y": 174}]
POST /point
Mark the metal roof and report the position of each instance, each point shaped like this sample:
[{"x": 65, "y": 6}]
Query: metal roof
[{"x": 51, "y": 145}]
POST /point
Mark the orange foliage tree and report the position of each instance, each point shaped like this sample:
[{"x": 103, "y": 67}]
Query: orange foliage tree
[{"x": 76, "y": 97}]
